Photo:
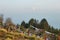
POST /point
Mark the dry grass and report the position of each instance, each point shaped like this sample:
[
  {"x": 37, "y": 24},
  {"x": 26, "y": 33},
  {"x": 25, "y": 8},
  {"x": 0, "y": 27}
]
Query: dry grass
[{"x": 4, "y": 35}]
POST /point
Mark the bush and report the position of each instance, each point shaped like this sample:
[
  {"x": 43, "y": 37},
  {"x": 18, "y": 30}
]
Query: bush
[
  {"x": 31, "y": 38},
  {"x": 8, "y": 39}
]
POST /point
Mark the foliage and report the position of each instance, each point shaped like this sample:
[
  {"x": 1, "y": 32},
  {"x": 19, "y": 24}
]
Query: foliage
[
  {"x": 44, "y": 24},
  {"x": 23, "y": 23},
  {"x": 27, "y": 25}
]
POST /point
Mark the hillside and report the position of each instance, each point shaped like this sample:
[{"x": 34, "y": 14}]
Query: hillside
[
  {"x": 5, "y": 35},
  {"x": 33, "y": 30}
]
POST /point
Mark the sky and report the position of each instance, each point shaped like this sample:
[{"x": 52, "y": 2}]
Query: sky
[{"x": 19, "y": 10}]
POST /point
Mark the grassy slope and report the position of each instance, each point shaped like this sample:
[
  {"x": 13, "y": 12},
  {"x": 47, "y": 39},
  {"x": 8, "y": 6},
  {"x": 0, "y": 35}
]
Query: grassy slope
[{"x": 4, "y": 35}]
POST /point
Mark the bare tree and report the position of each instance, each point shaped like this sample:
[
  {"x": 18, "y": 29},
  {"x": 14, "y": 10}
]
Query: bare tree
[
  {"x": 9, "y": 24},
  {"x": 1, "y": 20}
]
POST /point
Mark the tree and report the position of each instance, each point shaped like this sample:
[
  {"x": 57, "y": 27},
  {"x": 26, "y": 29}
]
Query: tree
[
  {"x": 8, "y": 21},
  {"x": 44, "y": 24},
  {"x": 23, "y": 23},
  {"x": 27, "y": 25},
  {"x": 35, "y": 24},
  {"x": 53, "y": 30},
  {"x": 31, "y": 22},
  {"x": 9, "y": 24},
  {"x": 1, "y": 19}
]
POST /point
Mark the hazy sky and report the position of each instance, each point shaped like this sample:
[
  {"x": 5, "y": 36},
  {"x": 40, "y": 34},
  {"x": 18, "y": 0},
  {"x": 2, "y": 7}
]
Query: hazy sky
[{"x": 20, "y": 10}]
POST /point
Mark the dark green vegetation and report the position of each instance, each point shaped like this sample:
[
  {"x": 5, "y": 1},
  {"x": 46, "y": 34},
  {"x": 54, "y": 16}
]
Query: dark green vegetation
[{"x": 40, "y": 25}]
